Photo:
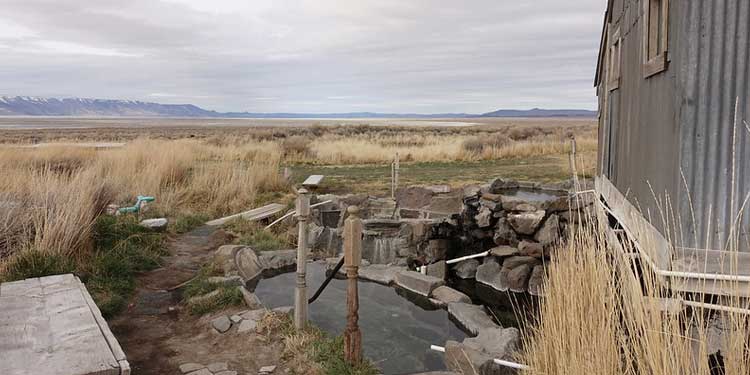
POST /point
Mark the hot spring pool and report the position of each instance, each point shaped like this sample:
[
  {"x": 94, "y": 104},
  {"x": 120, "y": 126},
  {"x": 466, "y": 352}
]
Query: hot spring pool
[{"x": 396, "y": 331}]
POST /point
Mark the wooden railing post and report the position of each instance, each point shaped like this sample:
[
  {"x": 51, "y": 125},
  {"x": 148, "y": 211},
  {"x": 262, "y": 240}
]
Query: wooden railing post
[
  {"x": 572, "y": 162},
  {"x": 300, "y": 292},
  {"x": 352, "y": 259},
  {"x": 395, "y": 166}
]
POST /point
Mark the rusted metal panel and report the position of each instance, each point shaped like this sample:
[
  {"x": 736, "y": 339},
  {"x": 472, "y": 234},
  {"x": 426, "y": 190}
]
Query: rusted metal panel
[{"x": 714, "y": 70}]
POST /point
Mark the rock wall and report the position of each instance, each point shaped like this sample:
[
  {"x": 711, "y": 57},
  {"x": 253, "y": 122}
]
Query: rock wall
[{"x": 520, "y": 224}]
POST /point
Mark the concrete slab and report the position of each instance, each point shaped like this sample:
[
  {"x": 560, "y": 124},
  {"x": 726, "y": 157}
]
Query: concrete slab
[
  {"x": 51, "y": 325},
  {"x": 313, "y": 181}
]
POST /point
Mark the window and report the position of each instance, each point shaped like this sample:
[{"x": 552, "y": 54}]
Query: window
[
  {"x": 655, "y": 36},
  {"x": 615, "y": 61}
]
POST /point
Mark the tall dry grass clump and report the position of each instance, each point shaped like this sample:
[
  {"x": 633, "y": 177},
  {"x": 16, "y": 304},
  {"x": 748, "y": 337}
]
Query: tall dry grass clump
[
  {"x": 51, "y": 197},
  {"x": 188, "y": 175},
  {"x": 601, "y": 316}
]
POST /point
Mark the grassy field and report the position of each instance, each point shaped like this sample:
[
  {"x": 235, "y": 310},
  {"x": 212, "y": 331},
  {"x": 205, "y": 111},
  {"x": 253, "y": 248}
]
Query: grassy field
[
  {"x": 375, "y": 179},
  {"x": 55, "y": 189}
]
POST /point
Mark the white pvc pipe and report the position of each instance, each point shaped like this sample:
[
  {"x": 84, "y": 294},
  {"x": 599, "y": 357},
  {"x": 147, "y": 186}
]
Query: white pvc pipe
[
  {"x": 292, "y": 212},
  {"x": 514, "y": 365},
  {"x": 423, "y": 269},
  {"x": 500, "y": 362},
  {"x": 437, "y": 348},
  {"x": 484, "y": 254},
  {"x": 711, "y": 306}
]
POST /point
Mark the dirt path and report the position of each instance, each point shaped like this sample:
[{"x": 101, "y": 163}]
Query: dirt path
[{"x": 157, "y": 340}]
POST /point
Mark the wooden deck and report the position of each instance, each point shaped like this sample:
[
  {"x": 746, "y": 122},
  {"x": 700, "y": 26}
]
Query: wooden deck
[{"x": 698, "y": 271}]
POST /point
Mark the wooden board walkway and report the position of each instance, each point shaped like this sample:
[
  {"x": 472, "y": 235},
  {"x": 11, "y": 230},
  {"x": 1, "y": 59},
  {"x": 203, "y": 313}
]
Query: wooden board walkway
[
  {"x": 252, "y": 215},
  {"x": 697, "y": 271},
  {"x": 51, "y": 326}
]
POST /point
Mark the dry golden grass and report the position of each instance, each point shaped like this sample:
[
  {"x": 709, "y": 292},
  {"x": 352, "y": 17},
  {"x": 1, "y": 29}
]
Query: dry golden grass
[
  {"x": 596, "y": 320},
  {"x": 436, "y": 148},
  {"x": 52, "y": 196}
]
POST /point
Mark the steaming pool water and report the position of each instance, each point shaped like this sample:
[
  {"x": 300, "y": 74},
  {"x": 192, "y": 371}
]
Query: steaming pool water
[{"x": 397, "y": 327}]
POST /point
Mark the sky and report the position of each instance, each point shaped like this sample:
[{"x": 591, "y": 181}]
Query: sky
[{"x": 316, "y": 56}]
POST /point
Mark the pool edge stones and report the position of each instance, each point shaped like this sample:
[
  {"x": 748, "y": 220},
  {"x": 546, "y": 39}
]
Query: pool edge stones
[{"x": 417, "y": 282}]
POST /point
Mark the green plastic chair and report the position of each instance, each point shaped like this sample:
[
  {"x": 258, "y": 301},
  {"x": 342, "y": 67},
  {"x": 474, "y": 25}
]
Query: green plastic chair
[{"x": 137, "y": 207}]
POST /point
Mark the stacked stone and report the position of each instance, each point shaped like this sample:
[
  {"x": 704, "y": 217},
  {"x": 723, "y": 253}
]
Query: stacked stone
[{"x": 520, "y": 234}]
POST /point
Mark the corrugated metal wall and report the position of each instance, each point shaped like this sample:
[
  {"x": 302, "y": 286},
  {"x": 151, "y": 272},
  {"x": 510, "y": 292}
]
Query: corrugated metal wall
[
  {"x": 670, "y": 135},
  {"x": 641, "y": 122},
  {"x": 713, "y": 71}
]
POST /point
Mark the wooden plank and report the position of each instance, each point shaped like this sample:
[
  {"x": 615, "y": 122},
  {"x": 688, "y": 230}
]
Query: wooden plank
[
  {"x": 313, "y": 181},
  {"x": 48, "y": 327},
  {"x": 650, "y": 241},
  {"x": 252, "y": 215}
]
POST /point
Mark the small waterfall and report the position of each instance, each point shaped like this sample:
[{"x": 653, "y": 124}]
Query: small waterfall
[{"x": 384, "y": 250}]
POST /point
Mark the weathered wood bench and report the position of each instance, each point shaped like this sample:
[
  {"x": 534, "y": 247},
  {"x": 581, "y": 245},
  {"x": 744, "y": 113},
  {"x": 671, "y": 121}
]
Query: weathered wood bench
[{"x": 52, "y": 326}]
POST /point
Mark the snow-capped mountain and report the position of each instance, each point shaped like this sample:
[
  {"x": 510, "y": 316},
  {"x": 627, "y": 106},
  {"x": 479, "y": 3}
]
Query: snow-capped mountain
[{"x": 33, "y": 106}]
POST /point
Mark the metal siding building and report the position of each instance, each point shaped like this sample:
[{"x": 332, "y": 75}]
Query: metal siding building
[{"x": 667, "y": 140}]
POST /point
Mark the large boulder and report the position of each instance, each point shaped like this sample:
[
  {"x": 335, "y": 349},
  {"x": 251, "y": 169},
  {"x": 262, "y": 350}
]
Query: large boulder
[
  {"x": 536, "y": 281},
  {"x": 249, "y": 266},
  {"x": 514, "y": 262},
  {"x": 531, "y": 249},
  {"x": 437, "y": 269},
  {"x": 380, "y": 273},
  {"x": 239, "y": 260},
  {"x": 514, "y": 203},
  {"x": 499, "y": 185},
  {"x": 549, "y": 233},
  {"x": 518, "y": 278},
  {"x": 471, "y": 191},
  {"x": 445, "y": 295},
  {"x": 466, "y": 269},
  {"x": 504, "y": 251},
  {"x": 500, "y": 343},
  {"x": 414, "y": 197},
  {"x": 224, "y": 258},
  {"x": 490, "y": 273},
  {"x": 484, "y": 217},
  {"x": 476, "y": 355},
  {"x": 417, "y": 282},
  {"x": 526, "y": 222},
  {"x": 504, "y": 233},
  {"x": 279, "y": 259},
  {"x": 472, "y": 317},
  {"x": 446, "y": 204}
]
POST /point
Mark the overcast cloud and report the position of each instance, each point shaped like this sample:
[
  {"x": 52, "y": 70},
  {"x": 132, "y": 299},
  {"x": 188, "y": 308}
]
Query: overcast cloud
[{"x": 421, "y": 56}]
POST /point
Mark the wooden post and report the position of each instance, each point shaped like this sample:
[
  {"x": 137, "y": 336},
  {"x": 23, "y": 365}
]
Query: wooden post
[
  {"x": 398, "y": 167},
  {"x": 572, "y": 161},
  {"x": 352, "y": 259},
  {"x": 300, "y": 292},
  {"x": 395, "y": 165}
]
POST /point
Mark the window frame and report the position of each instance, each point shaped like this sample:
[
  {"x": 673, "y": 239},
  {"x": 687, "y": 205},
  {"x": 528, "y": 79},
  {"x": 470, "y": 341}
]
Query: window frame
[
  {"x": 614, "y": 65},
  {"x": 655, "y": 32}
]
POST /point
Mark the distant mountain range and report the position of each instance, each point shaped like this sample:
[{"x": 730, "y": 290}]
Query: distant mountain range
[{"x": 33, "y": 106}]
